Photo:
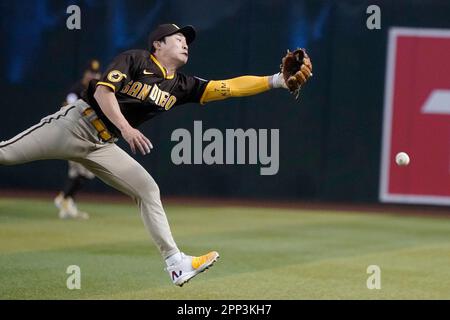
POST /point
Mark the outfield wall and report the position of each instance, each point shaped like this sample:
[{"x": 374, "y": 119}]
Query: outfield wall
[{"x": 330, "y": 141}]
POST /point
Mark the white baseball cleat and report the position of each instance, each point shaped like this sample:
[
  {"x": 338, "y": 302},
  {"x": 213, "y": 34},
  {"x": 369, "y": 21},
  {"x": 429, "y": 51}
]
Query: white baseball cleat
[
  {"x": 189, "y": 266},
  {"x": 59, "y": 200},
  {"x": 68, "y": 209}
]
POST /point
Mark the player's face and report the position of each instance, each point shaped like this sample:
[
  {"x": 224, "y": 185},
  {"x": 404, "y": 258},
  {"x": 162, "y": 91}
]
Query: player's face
[{"x": 176, "y": 48}]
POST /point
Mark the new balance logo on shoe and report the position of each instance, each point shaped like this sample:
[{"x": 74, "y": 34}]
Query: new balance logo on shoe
[{"x": 175, "y": 275}]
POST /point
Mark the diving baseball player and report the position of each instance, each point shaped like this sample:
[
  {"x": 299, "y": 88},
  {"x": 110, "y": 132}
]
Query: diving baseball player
[
  {"x": 137, "y": 86},
  {"x": 77, "y": 174}
]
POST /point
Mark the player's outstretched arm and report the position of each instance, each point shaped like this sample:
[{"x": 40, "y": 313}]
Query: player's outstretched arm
[
  {"x": 296, "y": 69},
  {"x": 241, "y": 87},
  {"x": 236, "y": 87},
  {"x": 107, "y": 101}
]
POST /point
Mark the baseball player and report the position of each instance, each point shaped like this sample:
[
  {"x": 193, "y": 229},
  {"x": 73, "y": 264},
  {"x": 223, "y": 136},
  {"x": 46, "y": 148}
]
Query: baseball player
[
  {"x": 77, "y": 173},
  {"x": 137, "y": 86}
]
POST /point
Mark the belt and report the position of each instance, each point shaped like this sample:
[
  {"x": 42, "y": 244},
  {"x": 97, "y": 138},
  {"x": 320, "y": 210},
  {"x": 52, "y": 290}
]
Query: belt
[{"x": 99, "y": 126}]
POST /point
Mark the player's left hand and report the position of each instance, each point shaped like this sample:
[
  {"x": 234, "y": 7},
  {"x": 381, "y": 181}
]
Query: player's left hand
[
  {"x": 137, "y": 140},
  {"x": 296, "y": 68}
]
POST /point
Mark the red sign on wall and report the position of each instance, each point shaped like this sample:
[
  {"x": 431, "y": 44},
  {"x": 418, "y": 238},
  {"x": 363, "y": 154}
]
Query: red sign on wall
[{"x": 417, "y": 117}]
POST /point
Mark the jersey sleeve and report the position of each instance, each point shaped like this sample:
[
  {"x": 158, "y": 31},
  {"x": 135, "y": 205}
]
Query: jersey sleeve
[
  {"x": 192, "y": 88},
  {"x": 118, "y": 72}
]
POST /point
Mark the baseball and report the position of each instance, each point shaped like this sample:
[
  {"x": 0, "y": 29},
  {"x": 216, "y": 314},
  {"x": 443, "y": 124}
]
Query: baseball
[{"x": 402, "y": 159}]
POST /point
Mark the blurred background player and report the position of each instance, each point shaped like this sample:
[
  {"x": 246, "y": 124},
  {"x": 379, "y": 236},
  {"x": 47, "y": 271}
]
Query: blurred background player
[{"x": 77, "y": 173}]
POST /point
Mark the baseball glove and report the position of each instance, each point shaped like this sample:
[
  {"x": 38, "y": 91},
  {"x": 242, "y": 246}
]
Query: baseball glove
[{"x": 296, "y": 68}]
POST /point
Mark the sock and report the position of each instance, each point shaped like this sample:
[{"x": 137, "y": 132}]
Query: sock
[
  {"x": 173, "y": 259},
  {"x": 73, "y": 185}
]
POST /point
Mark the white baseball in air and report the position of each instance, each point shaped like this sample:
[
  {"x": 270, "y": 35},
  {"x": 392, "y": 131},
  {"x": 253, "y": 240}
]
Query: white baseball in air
[{"x": 402, "y": 159}]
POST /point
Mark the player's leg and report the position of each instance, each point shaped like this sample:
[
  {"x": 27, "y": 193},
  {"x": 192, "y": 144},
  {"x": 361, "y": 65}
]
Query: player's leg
[
  {"x": 51, "y": 138},
  {"x": 56, "y": 136},
  {"x": 116, "y": 168}
]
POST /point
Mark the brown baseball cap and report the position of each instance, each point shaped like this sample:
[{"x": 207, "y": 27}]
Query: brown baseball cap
[{"x": 164, "y": 30}]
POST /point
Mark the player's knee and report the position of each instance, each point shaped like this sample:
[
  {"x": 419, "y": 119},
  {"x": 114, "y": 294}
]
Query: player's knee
[
  {"x": 150, "y": 193},
  {"x": 148, "y": 190}
]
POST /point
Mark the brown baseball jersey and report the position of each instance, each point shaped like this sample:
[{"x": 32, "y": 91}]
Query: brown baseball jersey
[{"x": 143, "y": 89}]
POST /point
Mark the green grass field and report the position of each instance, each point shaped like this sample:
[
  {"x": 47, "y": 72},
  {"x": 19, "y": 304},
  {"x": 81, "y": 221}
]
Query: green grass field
[{"x": 265, "y": 253}]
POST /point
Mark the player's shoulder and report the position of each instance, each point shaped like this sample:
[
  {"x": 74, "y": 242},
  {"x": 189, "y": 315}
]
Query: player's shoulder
[
  {"x": 137, "y": 53},
  {"x": 136, "y": 59},
  {"x": 185, "y": 77}
]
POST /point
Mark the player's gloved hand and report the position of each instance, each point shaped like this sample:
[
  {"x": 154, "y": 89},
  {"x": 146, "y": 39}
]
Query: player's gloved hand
[
  {"x": 137, "y": 140},
  {"x": 296, "y": 69}
]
